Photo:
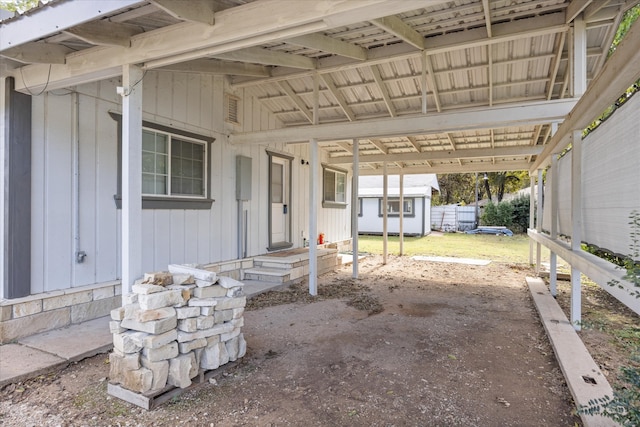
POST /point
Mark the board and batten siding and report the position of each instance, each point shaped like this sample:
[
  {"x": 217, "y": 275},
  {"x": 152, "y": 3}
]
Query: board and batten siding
[
  {"x": 189, "y": 102},
  {"x": 610, "y": 182}
]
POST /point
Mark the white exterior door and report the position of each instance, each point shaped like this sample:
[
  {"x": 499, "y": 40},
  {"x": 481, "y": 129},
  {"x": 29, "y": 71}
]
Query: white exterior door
[{"x": 280, "y": 201}]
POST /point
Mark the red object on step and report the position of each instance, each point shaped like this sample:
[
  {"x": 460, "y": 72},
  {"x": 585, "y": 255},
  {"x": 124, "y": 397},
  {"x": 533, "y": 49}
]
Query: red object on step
[{"x": 321, "y": 239}]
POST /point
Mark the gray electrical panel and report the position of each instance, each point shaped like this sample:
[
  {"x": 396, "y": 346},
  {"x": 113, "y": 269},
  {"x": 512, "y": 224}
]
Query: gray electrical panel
[{"x": 243, "y": 178}]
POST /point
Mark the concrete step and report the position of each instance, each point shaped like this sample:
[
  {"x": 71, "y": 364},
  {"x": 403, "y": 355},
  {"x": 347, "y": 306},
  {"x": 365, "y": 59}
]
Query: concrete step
[
  {"x": 266, "y": 274},
  {"x": 253, "y": 288}
]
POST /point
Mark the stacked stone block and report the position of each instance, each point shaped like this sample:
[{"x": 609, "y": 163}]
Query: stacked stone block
[{"x": 173, "y": 326}]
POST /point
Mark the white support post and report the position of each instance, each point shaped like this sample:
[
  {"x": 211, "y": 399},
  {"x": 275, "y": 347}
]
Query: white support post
[
  {"x": 576, "y": 225},
  {"x": 532, "y": 204},
  {"x": 131, "y": 176},
  {"x": 539, "y": 219},
  {"x": 423, "y": 81},
  {"x": 384, "y": 213},
  {"x": 401, "y": 201},
  {"x": 354, "y": 209},
  {"x": 580, "y": 56},
  {"x": 553, "y": 257},
  {"x": 313, "y": 196}
]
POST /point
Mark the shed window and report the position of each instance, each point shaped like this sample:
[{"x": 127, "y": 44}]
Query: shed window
[{"x": 393, "y": 207}]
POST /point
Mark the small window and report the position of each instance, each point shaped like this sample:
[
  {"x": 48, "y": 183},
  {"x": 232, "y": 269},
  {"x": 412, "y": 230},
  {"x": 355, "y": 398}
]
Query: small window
[
  {"x": 335, "y": 188},
  {"x": 393, "y": 207},
  {"x": 172, "y": 165},
  {"x": 359, "y": 206}
]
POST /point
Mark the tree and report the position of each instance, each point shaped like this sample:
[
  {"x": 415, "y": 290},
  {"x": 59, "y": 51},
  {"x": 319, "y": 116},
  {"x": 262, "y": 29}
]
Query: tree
[{"x": 19, "y": 6}]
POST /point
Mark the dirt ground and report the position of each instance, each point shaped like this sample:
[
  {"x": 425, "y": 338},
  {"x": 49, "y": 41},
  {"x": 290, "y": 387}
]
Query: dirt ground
[{"x": 408, "y": 344}]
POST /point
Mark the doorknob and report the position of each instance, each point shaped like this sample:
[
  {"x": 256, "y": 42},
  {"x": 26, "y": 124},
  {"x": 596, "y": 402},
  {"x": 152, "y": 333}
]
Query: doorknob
[{"x": 284, "y": 209}]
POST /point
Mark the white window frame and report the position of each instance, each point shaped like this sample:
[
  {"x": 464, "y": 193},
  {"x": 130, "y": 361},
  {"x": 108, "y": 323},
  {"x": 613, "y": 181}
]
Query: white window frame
[
  {"x": 410, "y": 201},
  {"x": 333, "y": 203},
  {"x": 205, "y": 165}
]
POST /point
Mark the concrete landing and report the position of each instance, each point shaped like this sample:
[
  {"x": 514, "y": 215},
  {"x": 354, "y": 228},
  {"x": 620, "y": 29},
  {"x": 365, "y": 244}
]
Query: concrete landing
[
  {"x": 583, "y": 376},
  {"x": 48, "y": 351}
]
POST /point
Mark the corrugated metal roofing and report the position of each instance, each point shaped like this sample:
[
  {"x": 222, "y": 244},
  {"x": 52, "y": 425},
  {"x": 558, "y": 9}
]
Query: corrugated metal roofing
[{"x": 519, "y": 55}]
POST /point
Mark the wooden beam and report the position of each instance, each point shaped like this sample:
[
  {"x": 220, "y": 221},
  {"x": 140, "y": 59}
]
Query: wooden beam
[
  {"x": 414, "y": 143},
  {"x": 394, "y": 25},
  {"x": 472, "y": 153},
  {"x": 451, "y": 141},
  {"x": 199, "y": 11},
  {"x": 597, "y": 269},
  {"x": 345, "y": 146},
  {"x": 286, "y": 87},
  {"x": 218, "y": 67},
  {"x": 38, "y": 53},
  {"x": 560, "y": 38},
  {"x": 575, "y": 8},
  {"x": 262, "y": 56},
  {"x": 379, "y": 145},
  {"x": 330, "y": 45},
  {"x": 432, "y": 80},
  {"x": 328, "y": 81},
  {"x": 530, "y": 113},
  {"x": 383, "y": 89},
  {"x": 104, "y": 33},
  {"x": 454, "y": 168},
  {"x": 619, "y": 72},
  {"x": 487, "y": 16}
]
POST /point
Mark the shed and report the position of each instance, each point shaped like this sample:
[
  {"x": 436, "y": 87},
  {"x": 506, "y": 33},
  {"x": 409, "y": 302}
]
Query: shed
[{"x": 416, "y": 204}]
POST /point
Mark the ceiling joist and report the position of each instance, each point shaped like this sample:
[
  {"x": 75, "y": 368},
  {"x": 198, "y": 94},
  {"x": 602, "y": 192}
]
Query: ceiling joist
[
  {"x": 331, "y": 86},
  {"x": 199, "y": 11},
  {"x": 383, "y": 89},
  {"x": 329, "y": 45},
  {"x": 217, "y": 67},
  {"x": 441, "y": 155},
  {"x": 38, "y": 53},
  {"x": 286, "y": 87},
  {"x": 258, "y": 55},
  {"x": 394, "y": 25},
  {"x": 468, "y": 167},
  {"x": 104, "y": 33}
]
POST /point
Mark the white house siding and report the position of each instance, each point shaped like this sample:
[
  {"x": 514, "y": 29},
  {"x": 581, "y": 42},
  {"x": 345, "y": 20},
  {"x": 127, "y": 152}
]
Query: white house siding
[
  {"x": 608, "y": 198},
  {"x": 191, "y": 102},
  {"x": 370, "y": 222}
]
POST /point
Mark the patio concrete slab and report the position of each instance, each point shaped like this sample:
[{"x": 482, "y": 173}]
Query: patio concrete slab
[
  {"x": 468, "y": 261},
  {"x": 584, "y": 378},
  {"x": 18, "y": 363},
  {"x": 74, "y": 342}
]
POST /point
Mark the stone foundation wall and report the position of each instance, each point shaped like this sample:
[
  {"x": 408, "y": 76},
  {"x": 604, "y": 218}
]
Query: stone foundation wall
[
  {"x": 174, "y": 326},
  {"x": 30, "y": 315}
]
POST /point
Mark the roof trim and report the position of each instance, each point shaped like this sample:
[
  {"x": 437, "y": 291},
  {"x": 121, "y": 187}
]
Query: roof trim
[{"x": 56, "y": 17}]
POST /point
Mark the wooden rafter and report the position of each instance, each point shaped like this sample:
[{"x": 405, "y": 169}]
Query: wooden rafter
[
  {"x": 286, "y": 87},
  {"x": 218, "y": 67},
  {"x": 383, "y": 89},
  {"x": 394, "y": 25},
  {"x": 258, "y": 55},
  {"x": 330, "y": 45},
  {"x": 104, "y": 33},
  {"x": 328, "y": 81},
  {"x": 193, "y": 10},
  {"x": 379, "y": 145}
]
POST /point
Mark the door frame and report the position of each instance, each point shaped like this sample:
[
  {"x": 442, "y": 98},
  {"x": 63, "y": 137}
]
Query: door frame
[{"x": 275, "y": 246}]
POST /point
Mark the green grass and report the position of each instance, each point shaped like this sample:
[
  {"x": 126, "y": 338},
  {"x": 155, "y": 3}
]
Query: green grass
[{"x": 505, "y": 249}]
